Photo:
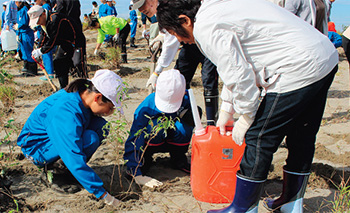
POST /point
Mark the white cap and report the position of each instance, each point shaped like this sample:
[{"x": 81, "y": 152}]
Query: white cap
[
  {"x": 170, "y": 90},
  {"x": 109, "y": 85},
  {"x": 34, "y": 13},
  {"x": 137, "y": 4},
  {"x": 5, "y": 4}
]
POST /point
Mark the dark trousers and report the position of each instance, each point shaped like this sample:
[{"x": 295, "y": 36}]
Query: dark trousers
[
  {"x": 123, "y": 35},
  {"x": 296, "y": 115},
  {"x": 187, "y": 63},
  {"x": 346, "y": 47},
  {"x": 67, "y": 57}
]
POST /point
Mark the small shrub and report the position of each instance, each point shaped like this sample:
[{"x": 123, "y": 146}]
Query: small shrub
[
  {"x": 341, "y": 201},
  {"x": 113, "y": 56},
  {"x": 7, "y": 95}
]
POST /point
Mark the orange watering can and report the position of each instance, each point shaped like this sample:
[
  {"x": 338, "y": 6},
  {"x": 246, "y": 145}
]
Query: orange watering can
[{"x": 214, "y": 162}]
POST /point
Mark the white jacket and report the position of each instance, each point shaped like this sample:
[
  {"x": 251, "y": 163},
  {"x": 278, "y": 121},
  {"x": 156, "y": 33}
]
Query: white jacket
[
  {"x": 256, "y": 44},
  {"x": 169, "y": 50}
]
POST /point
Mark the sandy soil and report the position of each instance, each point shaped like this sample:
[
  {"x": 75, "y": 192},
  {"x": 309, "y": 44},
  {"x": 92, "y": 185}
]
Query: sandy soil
[{"x": 330, "y": 167}]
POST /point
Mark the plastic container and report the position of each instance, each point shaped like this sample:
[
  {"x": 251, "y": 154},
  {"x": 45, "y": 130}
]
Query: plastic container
[
  {"x": 214, "y": 164},
  {"x": 8, "y": 40}
]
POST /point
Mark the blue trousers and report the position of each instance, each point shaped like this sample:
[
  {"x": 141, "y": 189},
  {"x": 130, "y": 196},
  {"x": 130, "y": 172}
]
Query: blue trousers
[
  {"x": 133, "y": 27},
  {"x": 91, "y": 139},
  {"x": 48, "y": 61},
  {"x": 296, "y": 115},
  {"x": 26, "y": 45}
]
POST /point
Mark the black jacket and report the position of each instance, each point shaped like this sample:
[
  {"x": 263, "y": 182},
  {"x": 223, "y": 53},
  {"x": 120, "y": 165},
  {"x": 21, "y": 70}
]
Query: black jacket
[{"x": 61, "y": 30}]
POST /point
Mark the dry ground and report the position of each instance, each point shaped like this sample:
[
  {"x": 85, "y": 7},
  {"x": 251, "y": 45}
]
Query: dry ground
[{"x": 331, "y": 162}]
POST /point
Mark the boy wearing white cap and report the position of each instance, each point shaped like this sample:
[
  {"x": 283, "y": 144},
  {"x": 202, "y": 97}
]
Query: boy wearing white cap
[
  {"x": 170, "y": 100},
  {"x": 67, "y": 126}
]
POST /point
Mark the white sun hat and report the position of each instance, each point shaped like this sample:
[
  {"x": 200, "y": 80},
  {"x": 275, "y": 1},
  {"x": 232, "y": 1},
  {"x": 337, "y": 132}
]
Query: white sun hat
[
  {"x": 170, "y": 90},
  {"x": 34, "y": 14},
  {"x": 136, "y": 4},
  {"x": 110, "y": 85}
]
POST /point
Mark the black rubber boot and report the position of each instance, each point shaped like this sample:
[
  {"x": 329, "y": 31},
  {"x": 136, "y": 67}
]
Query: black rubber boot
[
  {"x": 132, "y": 43},
  {"x": 124, "y": 58},
  {"x": 30, "y": 69},
  {"x": 291, "y": 199},
  {"x": 211, "y": 98},
  {"x": 63, "y": 81},
  {"x": 25, "y": 67},
  {"x": 33, "y": 68},
  {"x": 246, "y": 198}
]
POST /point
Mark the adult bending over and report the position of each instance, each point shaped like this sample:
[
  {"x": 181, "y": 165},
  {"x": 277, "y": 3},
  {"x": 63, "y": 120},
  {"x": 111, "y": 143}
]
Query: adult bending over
[{"x": 276, "y": 70}]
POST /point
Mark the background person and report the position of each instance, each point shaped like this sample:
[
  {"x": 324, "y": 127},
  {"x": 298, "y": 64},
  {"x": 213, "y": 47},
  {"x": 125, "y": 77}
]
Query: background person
[
  {"x": 276, "y": 76},
  {"x": 68, "y": 126},
  {"x": 133, "y": 25},
  {"x": 48, "y": 57},
  {"x": 60, "y": 30},
  {"x": 26, "y": 39},
  {"x": 117, "y": 27},
  {"x": 333, "y": 36},
  {"x": 170, "y": 99}
]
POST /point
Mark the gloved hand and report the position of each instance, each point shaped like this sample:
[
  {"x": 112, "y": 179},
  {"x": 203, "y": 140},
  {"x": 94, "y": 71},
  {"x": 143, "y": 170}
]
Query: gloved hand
[
  {"x": 36, "y": 53},
  {"x": 96, "y": 51},
  {"x": 145, "y": 34},
  {"x": 152, "y": 81},
  {"x": 17, "y": 38},
  {"x": 223, "y": 120},
  {"x": 110, "y": 200},
  {"x": 147, "y": 181},
  {"x": 15, "y": 27},
  {"x": 240, "y": 128},
  {"x": 115, "y": 37},
  {"x": 156, "y": 42}
]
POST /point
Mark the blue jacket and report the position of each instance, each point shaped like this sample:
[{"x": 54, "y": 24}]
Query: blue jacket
[
  {"x": 134, "y": 145},
  {"x": 10, "y": 14},
  {"x": 335, "y": 38},
  {"x": 61, "y": 119},
  {"x": 102, "y": 10},
  {"x": 111, "y": 11},
  {"x": 23, "y": 21},
  {"x": 133, "y": 16},
  {"x": 2, "y": 19}
]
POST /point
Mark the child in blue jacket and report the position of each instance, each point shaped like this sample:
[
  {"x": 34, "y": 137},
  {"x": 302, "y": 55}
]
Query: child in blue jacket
[
  {"x": 26, "y": 39},
  {"x": 172, "y": 101},
  {"x": 67, "y": 126}
]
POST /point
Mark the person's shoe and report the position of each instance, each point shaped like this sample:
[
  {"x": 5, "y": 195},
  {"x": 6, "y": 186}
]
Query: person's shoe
[
  {"x": 43, "y": 78},
  {"x": 17, "y": 57},
  {"x": 59, "y": 178}
]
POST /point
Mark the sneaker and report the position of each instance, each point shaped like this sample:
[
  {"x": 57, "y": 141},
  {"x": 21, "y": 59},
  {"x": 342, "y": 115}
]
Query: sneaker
[
  {"x": 60, "y": 182},
  {"x": 43, "y": 78}
]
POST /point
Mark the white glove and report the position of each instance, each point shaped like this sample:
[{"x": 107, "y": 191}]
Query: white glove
[
  {"x": 223, "y": 120},
  {"x": 17, "y": 38},
  {"x": 110, "y": 200},
  {"x": 152, "y": 81},
  {"x": 96, "y": 51},
  {"x": 147, "y": 181},
  {"x": 15, "y": 27},
  {"x": 36, "y": 53},
  {"x": 145, "y": 34},
  {"x": 240, "y": 129},
  {"x": 115, "y": 37},
  {"x": 156, "y": 42}
]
